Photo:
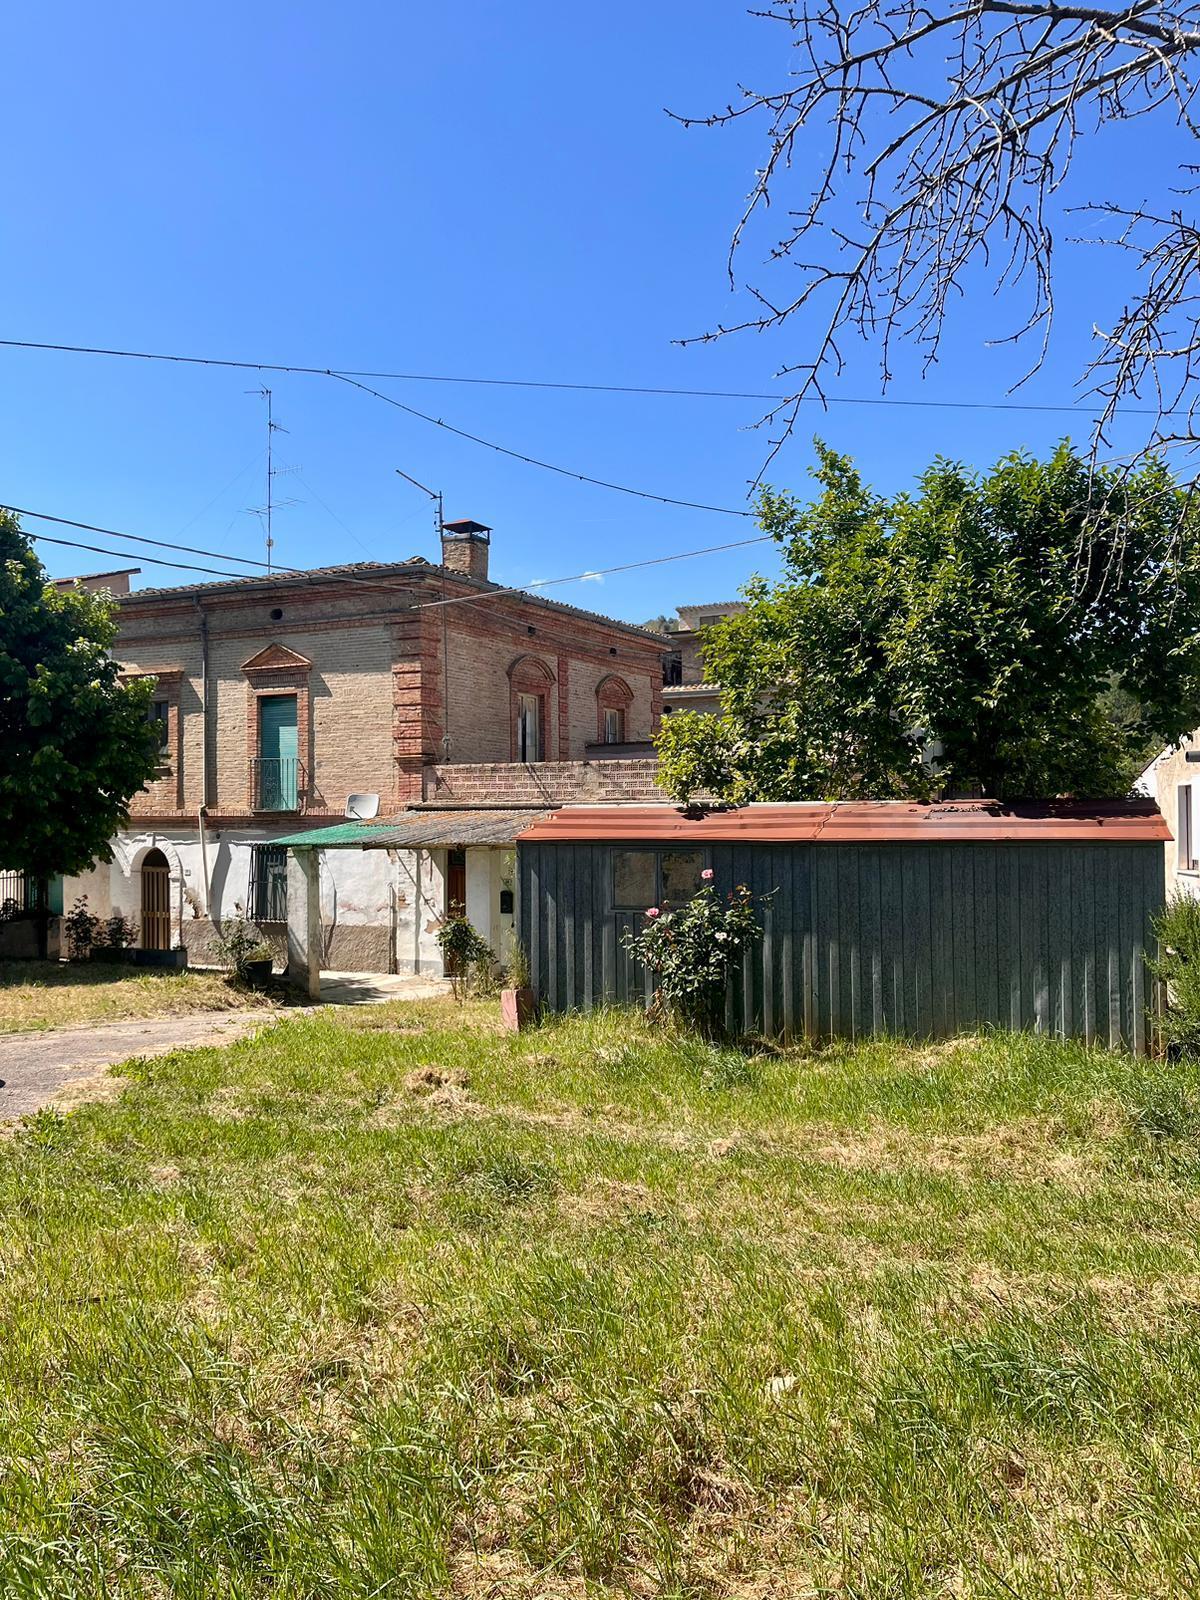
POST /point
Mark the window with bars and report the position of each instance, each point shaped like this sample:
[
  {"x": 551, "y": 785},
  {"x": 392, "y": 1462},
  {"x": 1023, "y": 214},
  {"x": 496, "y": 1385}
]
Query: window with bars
[{"x": 267, "y": 897}]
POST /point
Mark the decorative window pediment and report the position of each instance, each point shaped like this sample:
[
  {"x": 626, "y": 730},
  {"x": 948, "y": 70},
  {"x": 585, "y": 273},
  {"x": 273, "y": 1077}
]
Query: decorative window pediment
[
  {"x": 277, "y": 658},
  {"x": 614, "y": 691}
]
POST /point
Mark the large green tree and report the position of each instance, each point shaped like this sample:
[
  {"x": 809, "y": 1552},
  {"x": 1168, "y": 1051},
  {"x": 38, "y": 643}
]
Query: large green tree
[
  {"x": 75, "y": 743},
  {"x": 1030, "y": 631}
]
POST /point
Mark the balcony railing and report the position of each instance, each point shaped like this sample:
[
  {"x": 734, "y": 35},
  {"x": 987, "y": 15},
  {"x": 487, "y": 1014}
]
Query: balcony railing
[{"x": 278, "y": 783}]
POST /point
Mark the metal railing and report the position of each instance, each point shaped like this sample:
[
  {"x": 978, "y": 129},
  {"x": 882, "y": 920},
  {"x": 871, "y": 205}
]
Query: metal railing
[
  {"x": 278, "y": 783},
  {"x": 20, "y": 895}
]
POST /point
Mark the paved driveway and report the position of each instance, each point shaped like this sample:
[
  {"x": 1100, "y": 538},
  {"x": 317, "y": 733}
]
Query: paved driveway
[{"x": 71, "y": 1062}]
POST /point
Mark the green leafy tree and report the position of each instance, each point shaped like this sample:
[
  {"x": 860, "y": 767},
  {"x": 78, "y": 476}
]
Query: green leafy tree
[
  {"x": 75, "y": 743},
  {"x": 1030, "y": 631}
]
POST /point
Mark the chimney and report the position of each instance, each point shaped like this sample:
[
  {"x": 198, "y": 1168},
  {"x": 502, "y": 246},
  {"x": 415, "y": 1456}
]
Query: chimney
[{"x": 465, "y": 547}]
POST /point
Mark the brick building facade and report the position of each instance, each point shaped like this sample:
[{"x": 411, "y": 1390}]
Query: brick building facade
[{"x": 278, "y": 697}]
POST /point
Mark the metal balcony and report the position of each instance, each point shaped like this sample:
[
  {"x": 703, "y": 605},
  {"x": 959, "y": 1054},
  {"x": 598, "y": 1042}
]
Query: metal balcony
[{"x": 278, "y": 784}]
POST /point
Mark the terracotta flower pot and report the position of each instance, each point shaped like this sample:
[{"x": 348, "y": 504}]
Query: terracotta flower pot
[{"x": 516, "y": 1008}]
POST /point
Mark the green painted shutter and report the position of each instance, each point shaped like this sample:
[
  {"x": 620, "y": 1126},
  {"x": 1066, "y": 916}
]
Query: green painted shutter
[{"x": 278, "y": 752}]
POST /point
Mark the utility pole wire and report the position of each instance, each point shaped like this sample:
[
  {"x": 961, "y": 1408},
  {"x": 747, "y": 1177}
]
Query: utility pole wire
[
  {"x": 532, "y": 461},
  {"x": 316, "y": 575},
  {"x": 582, "y": 388},
  {"x": 600, "y": 572}
]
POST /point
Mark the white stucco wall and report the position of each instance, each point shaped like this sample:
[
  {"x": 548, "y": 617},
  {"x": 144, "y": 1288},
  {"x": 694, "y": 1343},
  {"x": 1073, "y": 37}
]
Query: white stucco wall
[
  {"x": 400, "y": 894},
  {"x": 1162, "y": 779},
  {"x": 420, "y": 878},
  {"x": 356, "y": 885}
]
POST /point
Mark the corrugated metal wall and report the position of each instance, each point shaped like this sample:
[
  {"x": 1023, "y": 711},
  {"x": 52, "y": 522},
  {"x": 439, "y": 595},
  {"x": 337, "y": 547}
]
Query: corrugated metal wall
[{"x": 920, "y": 941}]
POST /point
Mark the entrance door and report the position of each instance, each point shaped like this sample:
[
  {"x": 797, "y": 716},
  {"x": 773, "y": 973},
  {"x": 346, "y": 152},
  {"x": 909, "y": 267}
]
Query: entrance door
[
  {"x": 456, "y": 883},
  {"x": 156, "y": 902},
  {"x": 456, "y": 895},
  {"x": 278, "y": 763}
]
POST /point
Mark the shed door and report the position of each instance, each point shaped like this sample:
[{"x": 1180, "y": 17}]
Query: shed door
[{"x": 156, "y": 902}]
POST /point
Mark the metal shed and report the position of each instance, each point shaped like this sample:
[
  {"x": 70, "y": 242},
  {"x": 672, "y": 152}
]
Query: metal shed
[{"x": 882, "y": 918}]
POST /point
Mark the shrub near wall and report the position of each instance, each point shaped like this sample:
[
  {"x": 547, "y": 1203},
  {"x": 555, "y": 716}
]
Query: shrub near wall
[
  {"x": 693, "y": 949},
  {"x": 1177, "y": 964}
]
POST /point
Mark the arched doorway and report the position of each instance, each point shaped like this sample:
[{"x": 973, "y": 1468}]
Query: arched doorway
[{"x": 156, "y": 902}]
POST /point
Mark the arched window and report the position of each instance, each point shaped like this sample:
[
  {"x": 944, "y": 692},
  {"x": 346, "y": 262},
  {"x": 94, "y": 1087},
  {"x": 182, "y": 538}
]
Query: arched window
[
  {"x": 613, "y": 700},
  {"x": 530, "y": 681}
]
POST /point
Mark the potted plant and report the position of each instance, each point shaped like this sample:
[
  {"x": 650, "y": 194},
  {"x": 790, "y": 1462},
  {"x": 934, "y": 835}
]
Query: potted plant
[
  {"x": 242, "y": 948},
  {"x": 173, "y": 960},
  {"x": 259, "y": 966},
  {"x": 517, "y": 1000},
  {"x": 114, "y": 939}
]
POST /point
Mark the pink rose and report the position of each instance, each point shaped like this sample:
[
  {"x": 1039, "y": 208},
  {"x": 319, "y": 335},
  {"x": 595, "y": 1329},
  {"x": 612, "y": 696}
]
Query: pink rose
[
  {"x": 706, "y": 875},
  {"x": 651, "y": 911}
]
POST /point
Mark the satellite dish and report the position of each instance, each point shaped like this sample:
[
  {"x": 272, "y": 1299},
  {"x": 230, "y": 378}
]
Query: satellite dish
[{"x": 362, "y": 807}]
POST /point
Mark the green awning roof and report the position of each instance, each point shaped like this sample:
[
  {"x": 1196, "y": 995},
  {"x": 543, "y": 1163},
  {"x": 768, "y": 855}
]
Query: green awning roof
[
  {"x": 341, "y": 836},
  {"x": 420, "y": 829}
]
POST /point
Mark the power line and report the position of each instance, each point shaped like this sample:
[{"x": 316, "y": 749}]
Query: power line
[
  {"x": 598, "y": 572},
  {"x": 135, "y": 538},
  {"x": 581, "y": 388},
  {"x": 128, "y": 555},
  {"x": 437, "y": 422},
  {"x": 532, "y": 461},
  {"x": 491, "y": 593}
]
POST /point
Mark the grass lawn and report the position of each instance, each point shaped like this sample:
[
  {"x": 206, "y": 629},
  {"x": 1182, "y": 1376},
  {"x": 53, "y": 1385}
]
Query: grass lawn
[
  {"x": 389, "y": 1304},
  {"x": 49, "y": 994}
]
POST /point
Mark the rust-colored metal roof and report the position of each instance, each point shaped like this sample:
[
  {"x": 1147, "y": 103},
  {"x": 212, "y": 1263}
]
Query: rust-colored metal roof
[{"x": 863, "y": 822}]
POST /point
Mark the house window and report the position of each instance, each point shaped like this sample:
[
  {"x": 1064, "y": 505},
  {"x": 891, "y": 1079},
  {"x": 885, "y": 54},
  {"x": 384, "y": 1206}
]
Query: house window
[
  {"x": 267, "y": 897},
  {"x": 673, "y": 669},
  {"x": 1186, "y": 859},
  {"x": 158, "y": 714},
  {"x": 635, "y": 879},
  {"x": 614, "y": 725},
  {"x": 529, "y": 727},
  {"x": 710, "y": 619},
  {"x": 681, "y": 871},
  {"x": 644, "y": 878}
]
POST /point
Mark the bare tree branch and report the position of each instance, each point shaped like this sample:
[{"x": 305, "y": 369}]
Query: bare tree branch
[{"x": 921, "y": 141}]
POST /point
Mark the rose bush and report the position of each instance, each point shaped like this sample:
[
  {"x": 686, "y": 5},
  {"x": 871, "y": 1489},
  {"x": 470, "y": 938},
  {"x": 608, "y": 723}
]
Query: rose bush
[{"x": 692, "y": 949}]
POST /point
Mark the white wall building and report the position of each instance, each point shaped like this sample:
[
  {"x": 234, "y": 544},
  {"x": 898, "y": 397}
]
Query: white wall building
[
  {"x": 384, "y": 900},
  {"x": 1172, "y": 779}
]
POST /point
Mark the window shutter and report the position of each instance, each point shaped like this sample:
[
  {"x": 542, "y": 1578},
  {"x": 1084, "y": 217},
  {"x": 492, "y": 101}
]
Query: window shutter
[{"x": 1184, "y": 817}]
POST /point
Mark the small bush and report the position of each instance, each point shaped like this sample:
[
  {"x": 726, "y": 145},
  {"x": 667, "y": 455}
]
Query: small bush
[
  {"x": 692, "y": 950},
  {"x": 1177, "y": 929},
  {"x": 469, "y": 958},
  {"x": 119, "y": 932},
  {"x": 240, "y": 944},
  {"x": 80, "y": 927}
]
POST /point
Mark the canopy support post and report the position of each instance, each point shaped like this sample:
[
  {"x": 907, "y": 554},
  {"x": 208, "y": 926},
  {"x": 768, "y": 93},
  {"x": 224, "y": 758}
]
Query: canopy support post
[{"x": 304, "y": 920}]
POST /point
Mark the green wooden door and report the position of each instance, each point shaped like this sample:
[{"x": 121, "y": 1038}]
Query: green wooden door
[{"x": 278, "y": 763}]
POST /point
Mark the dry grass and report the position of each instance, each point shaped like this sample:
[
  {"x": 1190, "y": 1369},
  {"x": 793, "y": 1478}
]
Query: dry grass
[
  {"x": 387, "y": 1304},
  {"x": 51, "y": 994}
]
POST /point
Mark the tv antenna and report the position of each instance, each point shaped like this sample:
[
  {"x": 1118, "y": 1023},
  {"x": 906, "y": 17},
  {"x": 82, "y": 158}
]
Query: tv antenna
[
  {"x": 439, "y": 523},
  {"x": 265, "y": 513}
]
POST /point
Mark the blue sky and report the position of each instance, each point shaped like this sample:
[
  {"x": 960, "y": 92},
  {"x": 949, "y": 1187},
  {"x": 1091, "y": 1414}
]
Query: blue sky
[{"x": 478, "y": 189}]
